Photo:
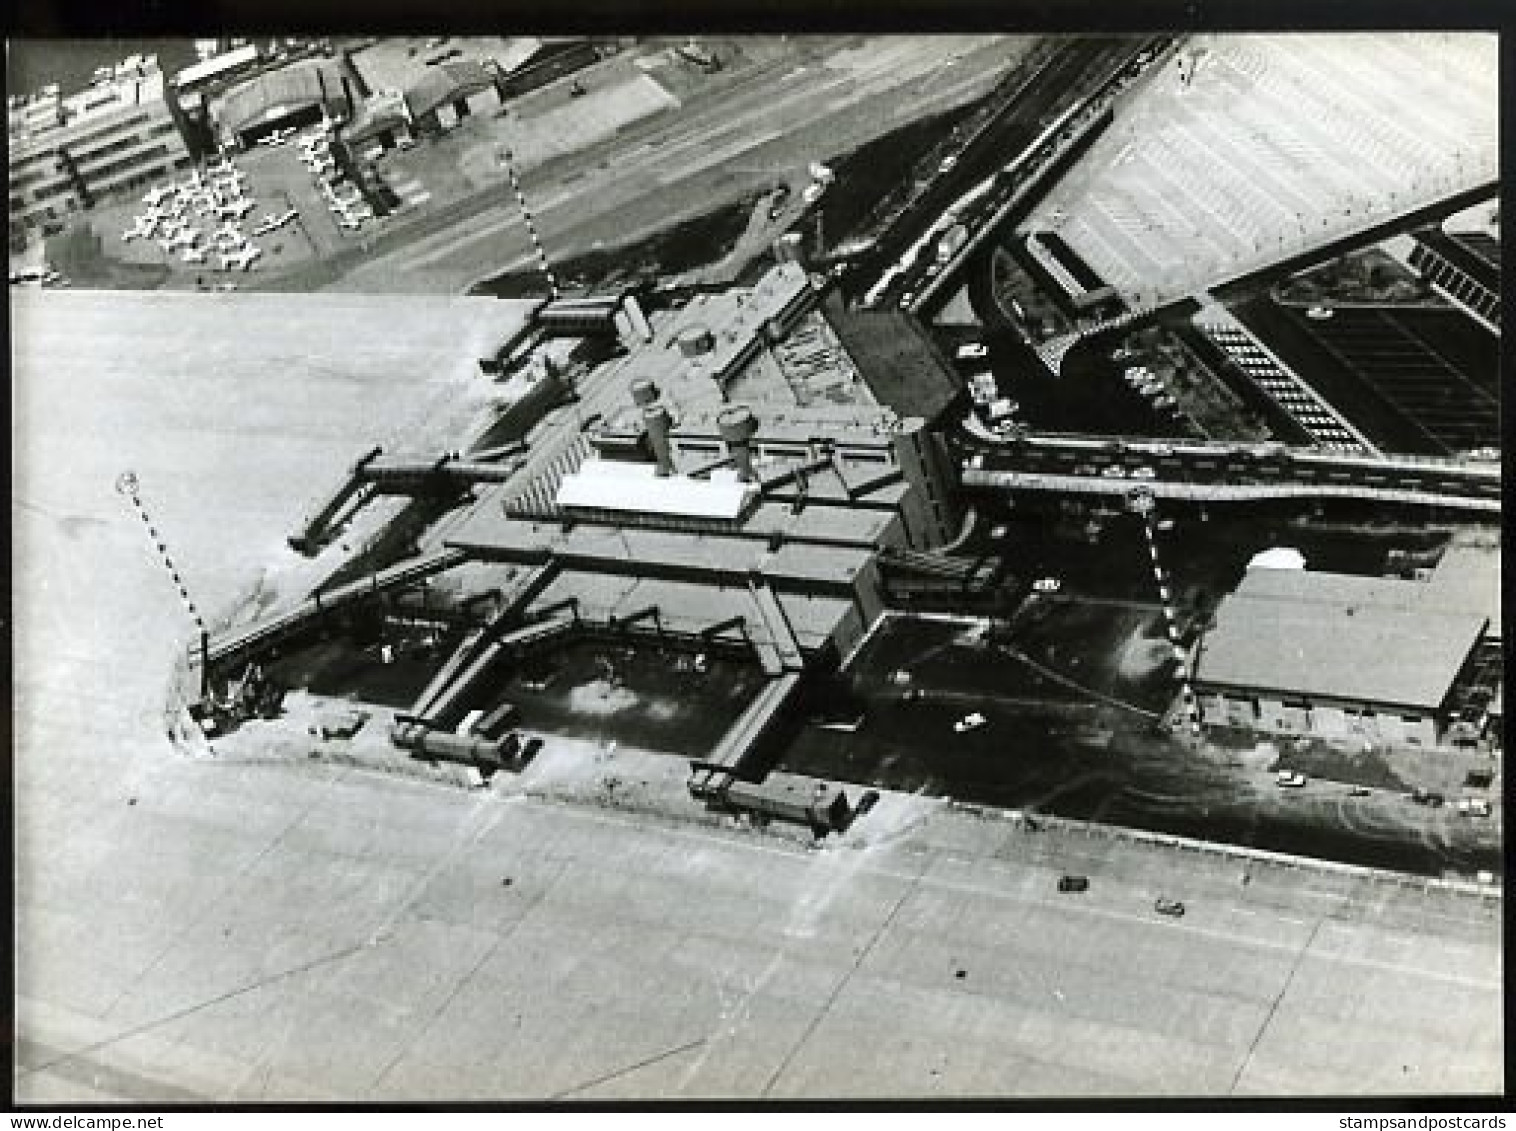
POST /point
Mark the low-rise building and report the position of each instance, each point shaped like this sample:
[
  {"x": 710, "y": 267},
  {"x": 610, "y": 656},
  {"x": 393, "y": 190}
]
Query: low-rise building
[
  {"x": 66, "y": 154},
  {"x": 1337, "y": 656},
  {"x": 293, "y": 95},
  {"x": 447, "y": 93}
]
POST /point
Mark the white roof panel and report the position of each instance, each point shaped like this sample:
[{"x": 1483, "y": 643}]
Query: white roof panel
[{"x": 636, "y": 488}]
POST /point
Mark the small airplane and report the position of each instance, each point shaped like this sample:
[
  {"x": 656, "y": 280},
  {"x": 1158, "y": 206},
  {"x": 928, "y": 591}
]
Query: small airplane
[
  {"x": 240, "y": 260},
  {"x": 272, "y": 223},
  {"x": 238, "y": 208},
  {"x": 155, "y": 195},
  {"x": 185, "y": 238},
  {"x": 142, "y": 228},
  {"x": 166, "y": 245},
  {"x": 193, "y": 255}
]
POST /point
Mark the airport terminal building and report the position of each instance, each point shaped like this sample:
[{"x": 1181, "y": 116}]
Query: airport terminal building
[{"x": 66, "y": 154}]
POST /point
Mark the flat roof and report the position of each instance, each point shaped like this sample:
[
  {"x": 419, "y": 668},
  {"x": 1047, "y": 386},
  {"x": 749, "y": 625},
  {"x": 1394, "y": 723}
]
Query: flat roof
[
  {"x": 820, "y": 522},
  {"x": 636, "y": 488},
  {"x": 901, "y": 365},
  {"x": 491, "y": 530},
  {"x": 216, "y": 65},
  {"x": 1322, "y": 588},
  {"x": 1467, "y": 580},
  {"x": 1296, "y": 632},
  {"x": 690, "y": 606}
]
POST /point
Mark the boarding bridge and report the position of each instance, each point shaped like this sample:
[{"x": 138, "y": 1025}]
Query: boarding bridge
[{"x": 246, "y": 642}]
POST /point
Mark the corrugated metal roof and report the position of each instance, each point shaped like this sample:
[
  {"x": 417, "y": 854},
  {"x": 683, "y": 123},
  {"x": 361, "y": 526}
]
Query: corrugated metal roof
[
  {"x": 636, "y": 488},
  {"x": 276, "y": 93},
  {"x": 1332, "y": 635},
  {"x": 447, "y": 82}
]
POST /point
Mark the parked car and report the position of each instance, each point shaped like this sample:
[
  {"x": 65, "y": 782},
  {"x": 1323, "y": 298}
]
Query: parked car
[
  {"x": 1165, "y": 906},
  {"x": 1073, "y": 883},
  {"x": 1288, "y": 779},
  {"x": 972, "y": 721}
]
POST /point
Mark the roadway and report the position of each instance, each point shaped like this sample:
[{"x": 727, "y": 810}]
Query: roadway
[
  {"x": 1221, "y": 492},
  {"x": 1223, "y": 472},
  {"x": 1083, "y": 69},
  {"x": 742, "y": 135}
]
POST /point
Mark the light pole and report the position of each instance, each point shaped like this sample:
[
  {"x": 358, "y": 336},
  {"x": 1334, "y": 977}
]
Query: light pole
[{"x": 505, "y": 156}]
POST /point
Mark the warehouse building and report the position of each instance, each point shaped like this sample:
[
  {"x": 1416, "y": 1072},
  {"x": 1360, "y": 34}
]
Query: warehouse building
[
  {"x": 1334, "y": 655},
  {"x": 444, "y": 95},
  {"x": 293, "y": 96}
]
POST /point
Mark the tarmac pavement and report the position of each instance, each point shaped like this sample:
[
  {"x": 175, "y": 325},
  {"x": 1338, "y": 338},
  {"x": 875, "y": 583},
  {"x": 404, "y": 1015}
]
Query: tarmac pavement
[{"x": 197, "y": 928}]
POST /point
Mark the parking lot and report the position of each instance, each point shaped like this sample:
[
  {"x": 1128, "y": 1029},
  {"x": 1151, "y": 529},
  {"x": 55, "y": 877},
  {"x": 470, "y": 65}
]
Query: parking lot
[
  {"x": 1426, "y": 366},
  {"x": 1412, "y": 381}
]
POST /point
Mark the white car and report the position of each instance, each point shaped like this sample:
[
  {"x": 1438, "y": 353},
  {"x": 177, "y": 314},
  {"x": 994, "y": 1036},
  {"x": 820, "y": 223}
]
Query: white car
[
  {"x": 972, "y": 721},
  {"x": 1286, "y": 779},
  {"x": 1046, "y": 585},
  {"x": 972, "y": 350}
]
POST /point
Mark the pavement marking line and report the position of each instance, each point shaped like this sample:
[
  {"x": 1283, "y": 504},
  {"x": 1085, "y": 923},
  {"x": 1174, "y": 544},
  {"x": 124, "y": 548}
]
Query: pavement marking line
[
  {"x": 629, "y": 1069},
  {"x": 131, "y": 1087},
  {"x": 500, "y": 940},
  {"x": 1274, "y": 1005},
  {"x": 180, "y": 1014},
  {"x": 831, "y": 1000}
]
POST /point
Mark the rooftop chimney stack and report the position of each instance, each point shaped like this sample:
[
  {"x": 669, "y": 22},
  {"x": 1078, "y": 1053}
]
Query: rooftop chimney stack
[
  {"x": 738, "y": 426},
  {"x": 656, "y": 421}
]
